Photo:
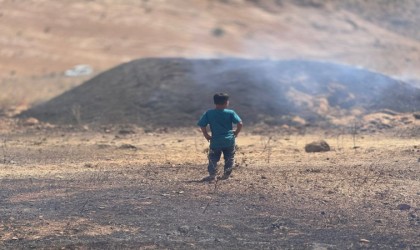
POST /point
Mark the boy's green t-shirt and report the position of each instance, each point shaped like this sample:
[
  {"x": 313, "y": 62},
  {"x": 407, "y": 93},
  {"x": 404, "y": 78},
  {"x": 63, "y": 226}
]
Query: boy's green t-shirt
[{"x": 220, "y": 121}]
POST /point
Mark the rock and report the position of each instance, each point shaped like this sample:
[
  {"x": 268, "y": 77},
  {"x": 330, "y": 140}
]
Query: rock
[
  {"x": 417, "y": 116},
  {"x": 184, "y": 229},
  {"x": 403, "y": 207},
  {"x": 317, "y": 146},
  {"x": 88, "y": 165},
  {"x": 298, "y": 121},
  {"x": 364, "y": 241},
  {"x": 126, "y": 131},
  {"x": 30, "y": 121},
  {"x": 128, "y": 146}
]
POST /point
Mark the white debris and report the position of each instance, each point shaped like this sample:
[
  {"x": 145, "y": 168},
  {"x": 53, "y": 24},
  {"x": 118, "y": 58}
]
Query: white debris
[{"x": 79, "y": 70}]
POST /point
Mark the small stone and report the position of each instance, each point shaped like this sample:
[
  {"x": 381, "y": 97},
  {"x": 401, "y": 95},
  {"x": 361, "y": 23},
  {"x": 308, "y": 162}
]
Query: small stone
[
  {"x": 378, "y": 221},
  {"x": 88, "y": 165},
  {"x": 126, "y": 131},
  {"x": 317, "y": 146},
  {"x": 364, "y": 241},
  {"x": 263, "y": 177},
  {"x": 15, "y": 238},
  {"x": 184, "y": 229},
  {"x": 30, "y": 121},
  {"x": 128, "y": 146},
  {"x": 403, "y": 207}
]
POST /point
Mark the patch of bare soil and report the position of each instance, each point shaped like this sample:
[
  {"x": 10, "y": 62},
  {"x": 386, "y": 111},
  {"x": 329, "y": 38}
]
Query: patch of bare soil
[
  {"x": 400, "y": 17},
  {"x": 69, "y": 188}
]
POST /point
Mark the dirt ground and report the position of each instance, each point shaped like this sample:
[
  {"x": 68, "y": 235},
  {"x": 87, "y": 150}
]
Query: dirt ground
[{"x": 123, "y": 187}]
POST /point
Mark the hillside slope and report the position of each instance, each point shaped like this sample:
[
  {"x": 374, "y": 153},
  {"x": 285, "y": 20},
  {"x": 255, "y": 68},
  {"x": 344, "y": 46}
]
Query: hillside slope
[
  {"x": 175, "y": 91},
  {"x": 40, "y": 38}
]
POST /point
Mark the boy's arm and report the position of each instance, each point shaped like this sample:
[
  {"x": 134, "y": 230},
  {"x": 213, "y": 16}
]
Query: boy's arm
[
  {"x": 238, "y": 129},
  {"x": 205, "y": 133}
]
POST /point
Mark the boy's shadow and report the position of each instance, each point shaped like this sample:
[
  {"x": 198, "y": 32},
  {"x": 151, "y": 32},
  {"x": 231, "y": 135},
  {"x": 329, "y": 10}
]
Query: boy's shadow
[
  {"x": 205, "y": 181},
  {"x": 196, "y": 181}
]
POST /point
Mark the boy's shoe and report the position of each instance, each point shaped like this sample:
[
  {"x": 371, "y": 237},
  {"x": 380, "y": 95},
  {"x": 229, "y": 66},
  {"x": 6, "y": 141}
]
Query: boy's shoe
[
  {"x": 209, "y": 178},
  {"x": 225, "y": 176}
]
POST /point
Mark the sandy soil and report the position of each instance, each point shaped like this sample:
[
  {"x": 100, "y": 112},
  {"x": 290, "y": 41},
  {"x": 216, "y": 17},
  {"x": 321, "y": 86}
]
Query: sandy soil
[
  {"x": 41, "y": 39},
  {"x": 123, "y": 187}
]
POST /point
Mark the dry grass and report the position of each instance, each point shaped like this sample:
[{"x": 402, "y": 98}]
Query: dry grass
[
  {"x": 71, "y": 189},
  {"x": 22, "y": 92}
]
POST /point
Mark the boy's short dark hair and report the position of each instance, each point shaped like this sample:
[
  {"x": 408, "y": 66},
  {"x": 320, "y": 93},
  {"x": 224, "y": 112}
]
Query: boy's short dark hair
[{"x": 220, "y": 98}]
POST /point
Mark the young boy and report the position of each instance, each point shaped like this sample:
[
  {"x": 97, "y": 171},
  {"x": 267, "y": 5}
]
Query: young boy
[{"x": 222, "y": 137}]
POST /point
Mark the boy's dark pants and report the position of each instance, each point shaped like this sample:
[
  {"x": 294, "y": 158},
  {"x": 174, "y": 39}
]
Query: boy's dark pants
[{"x": 214, "y": 157}]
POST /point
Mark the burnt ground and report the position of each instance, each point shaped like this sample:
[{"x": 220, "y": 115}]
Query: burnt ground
[
  {"x": 173, "y": 92},
  {"x": 79, "y": 189}
]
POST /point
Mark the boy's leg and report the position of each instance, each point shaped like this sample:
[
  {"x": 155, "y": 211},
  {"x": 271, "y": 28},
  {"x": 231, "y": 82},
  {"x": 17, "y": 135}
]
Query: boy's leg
[
  {"x": 229, "y": 155},
  {"x": 214, "y": 157}
]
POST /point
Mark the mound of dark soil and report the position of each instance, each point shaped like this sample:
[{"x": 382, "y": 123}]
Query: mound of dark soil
[{"x": 175, "y": 92}]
